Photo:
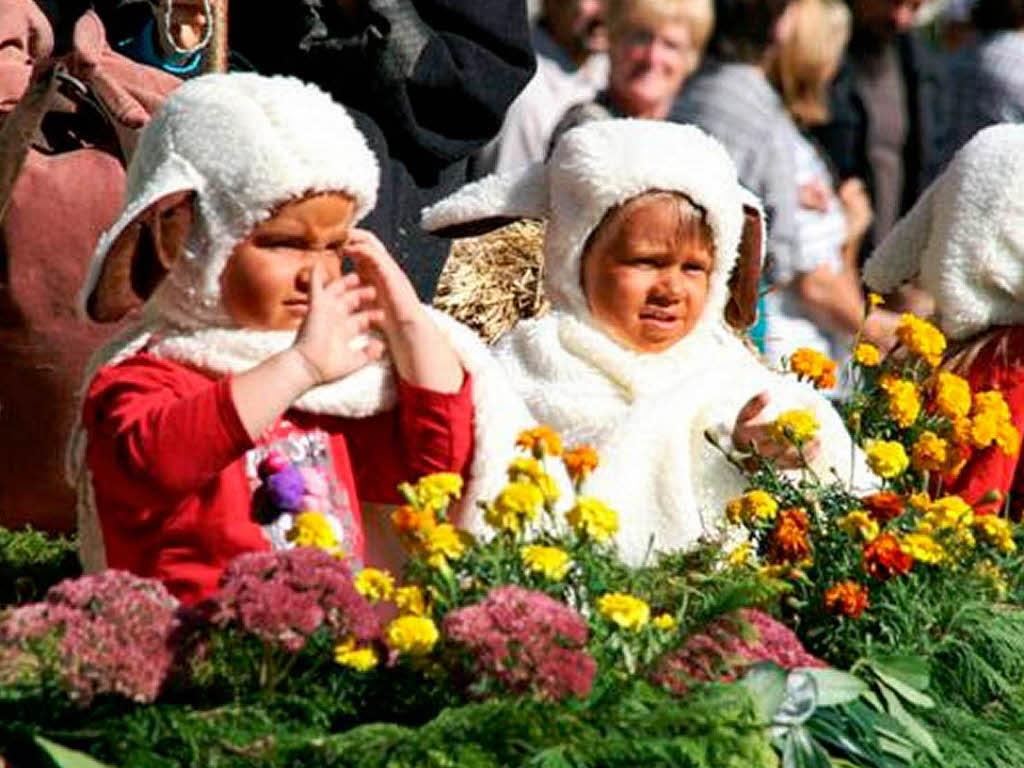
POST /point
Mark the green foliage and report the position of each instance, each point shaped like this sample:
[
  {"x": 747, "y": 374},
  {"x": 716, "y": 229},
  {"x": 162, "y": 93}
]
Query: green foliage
[
  {"x": 31, "y": 562},
  {"x": 714, "y": 725}
]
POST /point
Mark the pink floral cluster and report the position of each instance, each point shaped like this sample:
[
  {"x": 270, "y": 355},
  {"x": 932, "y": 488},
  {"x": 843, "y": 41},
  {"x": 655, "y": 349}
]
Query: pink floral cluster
[
  {"x": 526, "y": 641},
  {"x": 112, "y": 632},
  {"x": 722, "y": 653},
  {"x": 284, "y": 597}
]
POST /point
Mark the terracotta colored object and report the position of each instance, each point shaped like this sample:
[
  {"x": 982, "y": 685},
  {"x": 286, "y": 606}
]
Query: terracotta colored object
[{"x": 59, "y": 205}]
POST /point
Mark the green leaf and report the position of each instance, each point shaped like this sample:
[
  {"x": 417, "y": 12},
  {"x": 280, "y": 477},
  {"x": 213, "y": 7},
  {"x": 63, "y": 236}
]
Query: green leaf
[
  {"x": 917, "y": 732},
  {"x": 67, "y": 758},
  {"x": 801, "y": 751},
  {"x": 767, "y": 686},
  {"x": 911, "y": 670},
  {"x": 835, "y": 687}
]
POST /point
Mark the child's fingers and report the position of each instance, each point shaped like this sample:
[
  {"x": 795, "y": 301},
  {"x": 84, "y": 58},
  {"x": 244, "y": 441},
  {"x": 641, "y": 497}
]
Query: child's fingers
[
  {"x": 354, "y": 299},
  {"x": 361, "y": 322},
  {"x": 753, "y": 408},
  {"x": 317, "y": 277}
]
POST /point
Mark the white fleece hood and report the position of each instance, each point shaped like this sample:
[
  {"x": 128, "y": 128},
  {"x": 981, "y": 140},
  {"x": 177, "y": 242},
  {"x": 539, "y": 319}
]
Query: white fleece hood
[{"x": 964, "y": 239}]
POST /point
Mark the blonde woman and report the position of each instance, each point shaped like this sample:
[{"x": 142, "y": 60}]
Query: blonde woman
[
  {"x": 818, "y": 301},
  {"x": 654, "y": 45}
]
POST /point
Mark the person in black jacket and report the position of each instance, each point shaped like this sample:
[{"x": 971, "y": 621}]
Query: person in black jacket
[
  {"x": 889, "y": 111},
  {"x": 435, "y": 77}
]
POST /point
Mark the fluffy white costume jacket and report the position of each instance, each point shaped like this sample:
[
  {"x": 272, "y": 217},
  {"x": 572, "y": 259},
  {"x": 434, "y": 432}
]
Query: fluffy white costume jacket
[
  {"x": 265, "y": 141},
  {"x": 646, "y": 414},
  {"x": 964, "y": 239}
]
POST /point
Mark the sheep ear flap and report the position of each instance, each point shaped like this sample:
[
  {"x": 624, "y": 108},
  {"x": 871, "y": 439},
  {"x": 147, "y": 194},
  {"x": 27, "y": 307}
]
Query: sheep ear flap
[
  {"x": 490, "y": 203},
  {"x": 744, "y": 283},
  {"x": 139, "y": 256}
]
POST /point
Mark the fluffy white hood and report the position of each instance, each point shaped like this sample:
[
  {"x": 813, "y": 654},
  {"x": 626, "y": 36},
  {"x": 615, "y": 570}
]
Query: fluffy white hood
[
  {"x": 594, "y": 168},
  {"x": 244, "y": 144},
  {"x": 964, "y": 239}
]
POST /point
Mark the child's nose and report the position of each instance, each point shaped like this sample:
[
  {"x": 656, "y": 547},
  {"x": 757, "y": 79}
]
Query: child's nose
[{"x": 331, "y": 260}]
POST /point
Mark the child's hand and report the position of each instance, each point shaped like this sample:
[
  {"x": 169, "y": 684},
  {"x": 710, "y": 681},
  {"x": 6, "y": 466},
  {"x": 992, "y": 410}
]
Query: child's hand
[
  {"x": 752, "y": 433},
  {"x": 331, "y": 336},
  {"x": 396, "y": 297},
  {"x": 420, "y": 352}
]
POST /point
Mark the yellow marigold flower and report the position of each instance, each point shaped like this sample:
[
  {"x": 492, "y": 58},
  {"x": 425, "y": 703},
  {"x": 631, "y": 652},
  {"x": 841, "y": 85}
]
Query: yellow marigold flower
[
  {"x": 551, "y": 562},
  {"x": 360, "y": 659},
  {"x": 525, "y": 468},
  {"x": 437, "y": 491},
  {"x": 741, "y": 555},
  {"x": 984, "y": 430},
  {"x": 517, "y": 503},
  {"x": 949, "y": 512},
  {"x": 410, "y": 601},
  {"x": 952, "y": 395},
  {"x": 412, "y": 635},
  {"x": 904, "y": 401},
  {"x": 751, "y": 507},
  {"x": 665, "y": 621},
  {"x": 922, "y": 338},
  {"x": 810, "y": 364},
  {"x": 859, "y": 523},
  {"x": 625, "y": 610},
  {"x": 446, "y": 542},
  {"x": 797, "y": 426},
  {"x": 592, "y": 518},
  {"x": 579, "y": 462},
  {"x": 997, "y": 531},
  {"x": 375, "y": 584},
  {"x": 992, "y": 402},
  {"x": 875, "y": 300},
  {"x": 540, "y": 441},
  {"x": 923, "y": 548},
  {"x": 886, "y": 458},
  {"x": 919, "y": 501},
  {"x": 929, "y": 453},
  {"x": 311, "y": 529},
  {"x": 1008, "y": 439},
  {"x": 867, "y": 355}
]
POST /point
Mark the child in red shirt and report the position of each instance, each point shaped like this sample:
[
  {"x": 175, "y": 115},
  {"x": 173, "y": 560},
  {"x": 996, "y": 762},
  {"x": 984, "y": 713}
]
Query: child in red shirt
[
  {"x": 264, "y": 394},
  {"x": 964, "y": 242}
]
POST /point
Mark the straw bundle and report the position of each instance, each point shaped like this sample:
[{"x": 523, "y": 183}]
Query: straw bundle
[{"x": 492, "y": 281}]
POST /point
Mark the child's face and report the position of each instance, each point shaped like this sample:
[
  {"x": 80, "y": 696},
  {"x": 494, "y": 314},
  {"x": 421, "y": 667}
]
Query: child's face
[
  {"x": 267, "y": 280},
  {"x": 646, "y": 280}
]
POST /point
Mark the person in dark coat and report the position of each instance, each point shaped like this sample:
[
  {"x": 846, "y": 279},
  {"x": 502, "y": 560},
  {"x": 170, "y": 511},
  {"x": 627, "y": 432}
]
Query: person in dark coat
[{"x": 889, "y": 111}]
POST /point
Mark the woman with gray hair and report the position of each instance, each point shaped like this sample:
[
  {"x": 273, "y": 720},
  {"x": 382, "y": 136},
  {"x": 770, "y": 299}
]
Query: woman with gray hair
[{"x": 654, "y": 45}]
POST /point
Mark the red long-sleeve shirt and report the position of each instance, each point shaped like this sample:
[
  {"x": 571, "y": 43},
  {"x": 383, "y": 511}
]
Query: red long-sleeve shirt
[
  {"x": 168, "y": 454},
  {"x": 991, "y": 469}
]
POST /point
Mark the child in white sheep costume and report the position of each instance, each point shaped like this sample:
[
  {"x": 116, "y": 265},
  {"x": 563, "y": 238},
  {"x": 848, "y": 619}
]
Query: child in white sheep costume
[
  {"x": 964, "y": 243},
  {"x": 250, "y": 392},
  {"x": 645, "y": 412}
]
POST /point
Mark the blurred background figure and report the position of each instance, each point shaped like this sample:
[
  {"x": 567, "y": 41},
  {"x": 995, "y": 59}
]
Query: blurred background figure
[
  {"x": 889, "y": 110},
  {"x": 988, "y": 75},
  {"x": 731, "y": 98},
  {"x": 654, "y": 45},
  {"x": 821, "y": 306},
  {"x": 572, "y": 66}
]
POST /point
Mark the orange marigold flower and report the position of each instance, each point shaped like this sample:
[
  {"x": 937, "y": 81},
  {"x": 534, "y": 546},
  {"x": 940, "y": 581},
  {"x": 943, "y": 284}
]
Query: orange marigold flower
[
  {"x": 884, "y": 558},
  {"x": 884, "y": 506},
  {"x": 810, "y": 364},
  {"x": 410, "y": 522},
  {"x": 789, "y": 542},
  {"x": 847, "y": 598},
  {"x": 540, "y": 441},
  {"x": 580, "y": 461}
]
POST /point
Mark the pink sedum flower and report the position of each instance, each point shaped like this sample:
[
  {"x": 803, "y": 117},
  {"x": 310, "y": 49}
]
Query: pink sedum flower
[
  {"x": 113, "y": 634},
  {"x": 525, "y": 641}
]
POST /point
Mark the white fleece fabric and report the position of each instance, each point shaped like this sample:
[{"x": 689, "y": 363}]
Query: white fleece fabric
[
  {"x": 264, "y": 142},
  {"x": 646, "y": 414},
  {"x": 964, "y": 239}
]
